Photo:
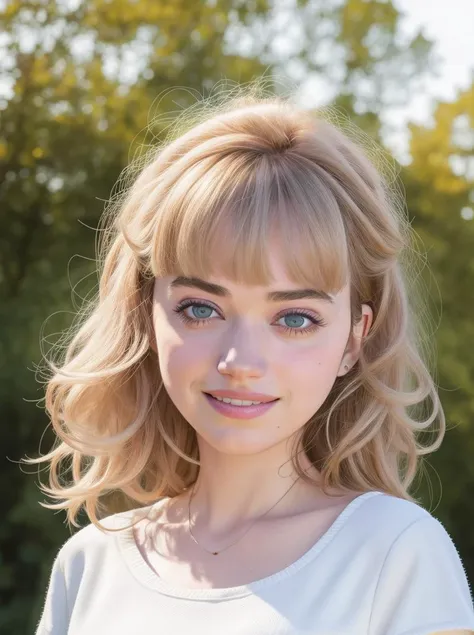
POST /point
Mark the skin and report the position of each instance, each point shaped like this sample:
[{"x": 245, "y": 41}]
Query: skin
[{"x": 242, "y": 345}]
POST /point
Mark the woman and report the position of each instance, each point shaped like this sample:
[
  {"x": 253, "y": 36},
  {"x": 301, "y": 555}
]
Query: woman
[{"x": 245, "y": 380}]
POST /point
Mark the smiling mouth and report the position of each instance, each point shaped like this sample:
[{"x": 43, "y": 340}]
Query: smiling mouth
[
  {"x": 239, "y": 402},
  {"x": 241, "y": 409}
]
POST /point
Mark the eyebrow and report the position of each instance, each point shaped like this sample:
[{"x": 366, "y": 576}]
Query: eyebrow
[{"x": 272, "y": 296}]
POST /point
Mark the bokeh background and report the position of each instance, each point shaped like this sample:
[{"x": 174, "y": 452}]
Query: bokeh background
[{"x": 80, "y": 82}]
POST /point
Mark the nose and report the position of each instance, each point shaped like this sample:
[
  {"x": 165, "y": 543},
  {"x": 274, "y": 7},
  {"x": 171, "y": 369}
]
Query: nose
[{"x": 242, "y": 359}]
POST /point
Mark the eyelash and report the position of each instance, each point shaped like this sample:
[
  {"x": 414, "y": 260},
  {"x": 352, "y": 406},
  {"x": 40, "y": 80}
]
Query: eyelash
[{"x": 317, "y": 322}]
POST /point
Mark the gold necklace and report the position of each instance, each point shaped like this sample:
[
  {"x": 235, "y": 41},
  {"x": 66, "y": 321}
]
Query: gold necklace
[{"x": 215, "y": 553}]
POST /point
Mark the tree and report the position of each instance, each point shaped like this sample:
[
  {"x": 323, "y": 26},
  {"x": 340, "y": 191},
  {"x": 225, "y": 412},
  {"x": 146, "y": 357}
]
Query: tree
[
  {"x": 439, "y": 185},
  {"x": 67, "y": 125},
  {"x": 82, "y": 81}
]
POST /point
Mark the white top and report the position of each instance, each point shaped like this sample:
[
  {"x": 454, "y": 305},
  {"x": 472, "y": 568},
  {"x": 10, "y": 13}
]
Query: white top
[{"x": 386, "y": 566}]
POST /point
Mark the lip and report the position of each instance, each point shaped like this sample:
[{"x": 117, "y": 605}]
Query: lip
[
  {"x": 245, "y": 396},
  {"x": 239, "y": 412}
]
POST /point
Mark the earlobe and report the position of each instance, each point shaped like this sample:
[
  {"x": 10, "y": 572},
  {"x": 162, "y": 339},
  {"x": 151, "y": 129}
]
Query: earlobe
[{"x": 344, "y": 369}]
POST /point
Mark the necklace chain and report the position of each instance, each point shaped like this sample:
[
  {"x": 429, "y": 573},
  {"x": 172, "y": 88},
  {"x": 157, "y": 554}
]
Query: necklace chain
[{"x": 215, "y": 553}]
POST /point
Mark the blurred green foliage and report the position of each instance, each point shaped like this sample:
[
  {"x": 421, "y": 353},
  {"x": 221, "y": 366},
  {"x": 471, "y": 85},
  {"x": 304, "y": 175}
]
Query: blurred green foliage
[{"x": 82, "y": 80}]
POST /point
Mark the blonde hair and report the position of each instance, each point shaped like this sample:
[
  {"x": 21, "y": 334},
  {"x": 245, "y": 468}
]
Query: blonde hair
[{"x": 246, "y": 163}]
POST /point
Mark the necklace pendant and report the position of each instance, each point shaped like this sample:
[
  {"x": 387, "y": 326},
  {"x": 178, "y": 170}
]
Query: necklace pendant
[{"x": 215, "y": 553}]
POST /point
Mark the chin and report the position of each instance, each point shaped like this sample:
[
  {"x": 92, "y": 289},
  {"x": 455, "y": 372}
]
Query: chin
[{"x": 237, "y": 441}]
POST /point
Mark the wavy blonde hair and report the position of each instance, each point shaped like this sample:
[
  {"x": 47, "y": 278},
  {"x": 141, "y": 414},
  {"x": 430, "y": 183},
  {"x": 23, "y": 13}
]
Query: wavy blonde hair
[{"x": 244, "y": 162}]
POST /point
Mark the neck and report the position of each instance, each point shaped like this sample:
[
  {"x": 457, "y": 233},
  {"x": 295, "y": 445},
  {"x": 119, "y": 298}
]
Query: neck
[{"x": 232, "y": 491}]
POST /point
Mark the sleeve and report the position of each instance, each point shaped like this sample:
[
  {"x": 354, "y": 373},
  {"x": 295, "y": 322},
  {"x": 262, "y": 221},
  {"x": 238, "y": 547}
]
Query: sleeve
[
  {"x": 422, "y": 586},
  {"x": 54, "y": 619}
]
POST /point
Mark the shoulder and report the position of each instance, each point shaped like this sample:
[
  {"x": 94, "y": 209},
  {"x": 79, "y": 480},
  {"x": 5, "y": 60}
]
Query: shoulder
[
  {"x": 85, "y": 564},
  {"x": 394, "y": 520},
  {"x": 92, "y": 545},
  {"x": 402, "y": 539},
  {"x": 420, "y": 577},
  {"x": 404, "y": 529}
]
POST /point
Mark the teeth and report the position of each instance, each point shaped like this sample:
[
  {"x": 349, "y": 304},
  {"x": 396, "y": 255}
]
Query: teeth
[{"x": 237, "y": 402}]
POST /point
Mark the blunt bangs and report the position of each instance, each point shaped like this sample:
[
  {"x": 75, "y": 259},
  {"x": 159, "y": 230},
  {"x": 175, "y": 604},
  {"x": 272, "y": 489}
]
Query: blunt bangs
[{"x": 221, "y": 214}]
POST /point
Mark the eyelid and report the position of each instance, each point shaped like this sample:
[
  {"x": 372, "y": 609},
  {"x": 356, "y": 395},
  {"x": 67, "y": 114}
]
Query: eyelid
[
  {"x": 211, "y": 303},
  {"x": 196, "y": 301},
  {"x": 187, "y": 302},
  {"x": 299, "y": 310}
]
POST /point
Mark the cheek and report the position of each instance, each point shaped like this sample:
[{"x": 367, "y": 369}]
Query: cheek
[
  {"x": 181, "y": 362},
  {"x": 180, "y": 366},
  {"x": 176, "y": 356},
  {"x": 311, "y": 373}
]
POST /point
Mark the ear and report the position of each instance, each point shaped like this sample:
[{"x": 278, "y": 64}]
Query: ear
[{"x": 356, "y": 337}]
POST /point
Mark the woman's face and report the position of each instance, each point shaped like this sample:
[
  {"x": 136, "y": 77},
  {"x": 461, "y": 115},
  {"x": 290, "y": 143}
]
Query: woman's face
[{"x": 223, "y": 336}]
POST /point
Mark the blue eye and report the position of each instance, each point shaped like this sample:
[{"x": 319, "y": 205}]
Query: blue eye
[
  {"x": 201, "y": 311},
  {"x": 294, "y": 320}
]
